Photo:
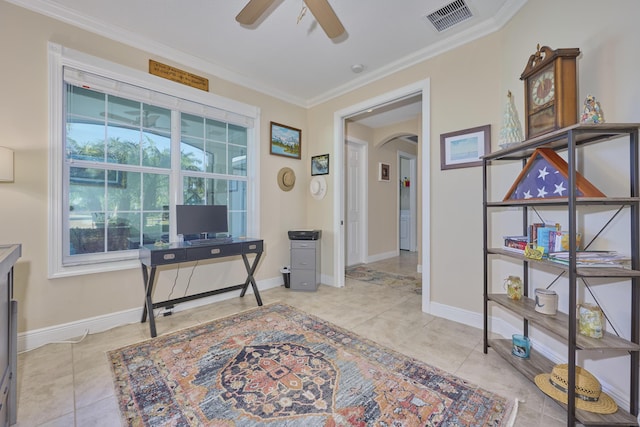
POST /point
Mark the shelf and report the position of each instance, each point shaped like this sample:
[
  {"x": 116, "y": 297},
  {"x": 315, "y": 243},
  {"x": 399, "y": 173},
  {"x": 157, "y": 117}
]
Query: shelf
[
  {"x": 538, "y": 364},
  {"x": 571, "y": 140},
  {"x": 557, "y": 324},
  {"x": 583, "y": 134},
  {"x": 562, "y": 201},
  {"x": 618, "y": 272}
]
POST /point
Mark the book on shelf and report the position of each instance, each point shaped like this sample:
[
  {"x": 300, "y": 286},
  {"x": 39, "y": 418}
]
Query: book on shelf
[
  {"x": 533, "y": 231},
  {"x": 515, "y": 243},
  {"x": 593, "y": 259}
]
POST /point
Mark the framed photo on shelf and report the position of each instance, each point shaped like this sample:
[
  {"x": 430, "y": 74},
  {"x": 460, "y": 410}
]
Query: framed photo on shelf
[
  {"x": 464, "y": 148},
  {"x": 383, "y": 172},
  {"x": 320, "y": 165},
  {"x": 285, "y": 141}
]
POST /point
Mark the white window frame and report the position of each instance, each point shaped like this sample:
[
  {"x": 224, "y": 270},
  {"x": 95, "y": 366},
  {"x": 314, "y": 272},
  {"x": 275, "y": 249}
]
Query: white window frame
[{"x": 60, "y": 57}]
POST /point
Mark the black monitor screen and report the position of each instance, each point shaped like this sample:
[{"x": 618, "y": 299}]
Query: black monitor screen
[{"x": 198, "y": 219}]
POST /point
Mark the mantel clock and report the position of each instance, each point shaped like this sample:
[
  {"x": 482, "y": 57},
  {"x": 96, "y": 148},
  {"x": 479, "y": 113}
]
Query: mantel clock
[{"x": 550, "y": 90}]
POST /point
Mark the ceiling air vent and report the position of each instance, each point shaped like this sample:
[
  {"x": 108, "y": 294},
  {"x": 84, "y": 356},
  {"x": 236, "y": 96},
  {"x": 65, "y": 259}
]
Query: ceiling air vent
[{"x": 450, "y": 15}]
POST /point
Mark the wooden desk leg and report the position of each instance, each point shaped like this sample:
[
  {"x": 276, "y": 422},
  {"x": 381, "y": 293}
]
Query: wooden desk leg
[
  {"x": 250, "y": 270},
  {"x": 145, "y": 281},
  {"x": 148, "y": 303}
]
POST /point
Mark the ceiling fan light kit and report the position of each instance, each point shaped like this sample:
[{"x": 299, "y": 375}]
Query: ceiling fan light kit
[{"x": 321, "y": 9}]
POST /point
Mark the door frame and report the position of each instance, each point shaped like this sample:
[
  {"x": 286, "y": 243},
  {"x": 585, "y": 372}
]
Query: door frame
[{"x": 420, "y": 87}]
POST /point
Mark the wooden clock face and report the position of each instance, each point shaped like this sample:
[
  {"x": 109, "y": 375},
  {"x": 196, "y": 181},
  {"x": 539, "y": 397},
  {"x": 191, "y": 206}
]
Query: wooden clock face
[{"x": 542, "y": 89}]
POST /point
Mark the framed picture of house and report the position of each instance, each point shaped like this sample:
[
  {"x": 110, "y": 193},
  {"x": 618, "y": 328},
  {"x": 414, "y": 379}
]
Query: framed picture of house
[
  {"x": 320, "y": 165},
  {"x": 464, "y": 148},
  {"x": 285, "y": 141}
]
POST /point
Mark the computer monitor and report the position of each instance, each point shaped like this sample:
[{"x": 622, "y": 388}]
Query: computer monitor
[{"x": 195, "y": 220}]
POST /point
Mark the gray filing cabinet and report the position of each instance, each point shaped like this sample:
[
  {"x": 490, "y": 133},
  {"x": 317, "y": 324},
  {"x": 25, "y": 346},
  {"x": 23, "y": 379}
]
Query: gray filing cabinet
[{"x": 305, "y": 265}]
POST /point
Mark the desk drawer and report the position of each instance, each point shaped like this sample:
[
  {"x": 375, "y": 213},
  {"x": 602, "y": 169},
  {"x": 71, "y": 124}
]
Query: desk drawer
[
  {"x": 252, "y": 247},
  {"x": 215, "y": 251},
  {"x": 168, "y": 256}
]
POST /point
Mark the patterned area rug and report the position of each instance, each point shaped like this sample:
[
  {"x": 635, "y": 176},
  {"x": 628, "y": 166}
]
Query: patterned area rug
[
  {"x": 368, "y": 274},
  {"x": 276, "y": 366}
]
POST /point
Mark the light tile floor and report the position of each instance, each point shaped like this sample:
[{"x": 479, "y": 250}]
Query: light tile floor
[{"x": 71, "y": 385}]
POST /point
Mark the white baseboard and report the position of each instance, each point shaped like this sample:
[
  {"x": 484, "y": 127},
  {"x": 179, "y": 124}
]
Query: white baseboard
[
  {"x": 67, "y": 332},
  {"x": 383, "y": 256}
]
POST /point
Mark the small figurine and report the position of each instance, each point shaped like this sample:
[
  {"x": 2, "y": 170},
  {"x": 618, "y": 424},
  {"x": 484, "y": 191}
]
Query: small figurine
[
  {"x": 511, "y": 130},
  {"x": 592, "y": 112}
]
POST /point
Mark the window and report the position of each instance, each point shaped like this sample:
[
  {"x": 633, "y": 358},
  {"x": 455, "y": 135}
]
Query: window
[{"x": 129, "y": 149}]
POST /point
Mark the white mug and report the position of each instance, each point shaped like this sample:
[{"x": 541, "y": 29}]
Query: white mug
[{"x": 546, "y": 301}]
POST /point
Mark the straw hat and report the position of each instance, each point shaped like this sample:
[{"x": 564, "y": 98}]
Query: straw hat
[
  {"x": 286, "y": 179},
  {"x": 589, "y": 394},
  {"x": 318, "y": 187}
]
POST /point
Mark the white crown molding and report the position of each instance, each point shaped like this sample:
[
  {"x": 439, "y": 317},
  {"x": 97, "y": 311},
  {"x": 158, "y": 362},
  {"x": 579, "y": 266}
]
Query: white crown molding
[
  {"x": 132, "y": 39},
  {"x": 485, "y": 28}
]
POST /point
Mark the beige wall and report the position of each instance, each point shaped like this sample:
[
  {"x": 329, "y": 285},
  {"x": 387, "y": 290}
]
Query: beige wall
[
  {"x": 468, "y": 88},
  {"x": 24, "y": 120}
]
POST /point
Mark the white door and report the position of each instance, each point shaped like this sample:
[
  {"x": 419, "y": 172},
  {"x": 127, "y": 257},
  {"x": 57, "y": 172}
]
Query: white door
[
  {"x": 408, "y": 204},
  {"x": 354, "y": 195},
  {"x": 405, "y": 230}
]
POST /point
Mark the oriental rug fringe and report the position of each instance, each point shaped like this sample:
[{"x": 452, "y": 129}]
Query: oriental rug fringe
[{"x": 277, "y": 366}]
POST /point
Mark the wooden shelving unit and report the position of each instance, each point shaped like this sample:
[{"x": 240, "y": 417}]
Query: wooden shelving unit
[{"x": 560, "y": 325}]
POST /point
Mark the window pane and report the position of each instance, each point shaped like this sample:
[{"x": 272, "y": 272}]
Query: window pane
[
  {"x": 156, "y": 137},
  {"x": 237, "y": 135},
  {"x": 86, "y": 190},
  {"x": 216, "y": 131},
  {"x": 238, "y": 224},
  {"x": 123, "y": 191},
  {"x": 193, "y": 190},
  {"x": 123, "y": 111},
  {"x": 155, "y": 227},
  {"x": 84, "y": 105},
  {"x": 192, "y": 125},
  {"x": 123, "y": 145},
  {"x": 192, "y": 154},
  {"x": 205, "y": 191},
  {"x": 156, "y": 192},
  {"x": 238, "y": 160},
  {"x": 237, "y": 195},
  {"x": 156, "y": 150},
  {"x": 85, "y": 141},
  {"x": 123, "y": 231},
  {"x": 217, "y": 192},
  {"x": 216, "y": 157}
]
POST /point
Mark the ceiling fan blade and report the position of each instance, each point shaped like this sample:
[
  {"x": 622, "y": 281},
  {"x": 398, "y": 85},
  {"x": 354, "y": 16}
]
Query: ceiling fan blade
[
  {"x": 252, "y": 11},
  {"x": 326, "y": 17}
]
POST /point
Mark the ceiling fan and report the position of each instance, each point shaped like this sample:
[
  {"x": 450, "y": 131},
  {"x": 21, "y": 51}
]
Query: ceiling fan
[{"x": 321, "y": 9}]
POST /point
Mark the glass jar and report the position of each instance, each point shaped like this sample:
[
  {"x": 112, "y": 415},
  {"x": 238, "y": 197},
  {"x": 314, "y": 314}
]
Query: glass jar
[{"x": 513, "y": 285}]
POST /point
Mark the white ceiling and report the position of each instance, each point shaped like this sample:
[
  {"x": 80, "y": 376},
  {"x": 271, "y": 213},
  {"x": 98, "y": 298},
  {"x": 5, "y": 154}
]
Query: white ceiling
[{"x": 295, "y": 62}]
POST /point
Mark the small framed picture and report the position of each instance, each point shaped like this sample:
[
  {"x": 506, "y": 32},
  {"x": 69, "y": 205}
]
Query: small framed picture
[
  {"x": 320, "y": 165},
  {"x": 285, "y": 141},
  {"x": 464, "y": 148},
  {"x": 383, "y": 172}
]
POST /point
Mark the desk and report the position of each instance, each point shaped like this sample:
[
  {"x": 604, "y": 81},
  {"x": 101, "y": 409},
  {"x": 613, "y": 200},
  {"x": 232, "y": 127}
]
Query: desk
[{"x": 152, "y": 256}]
